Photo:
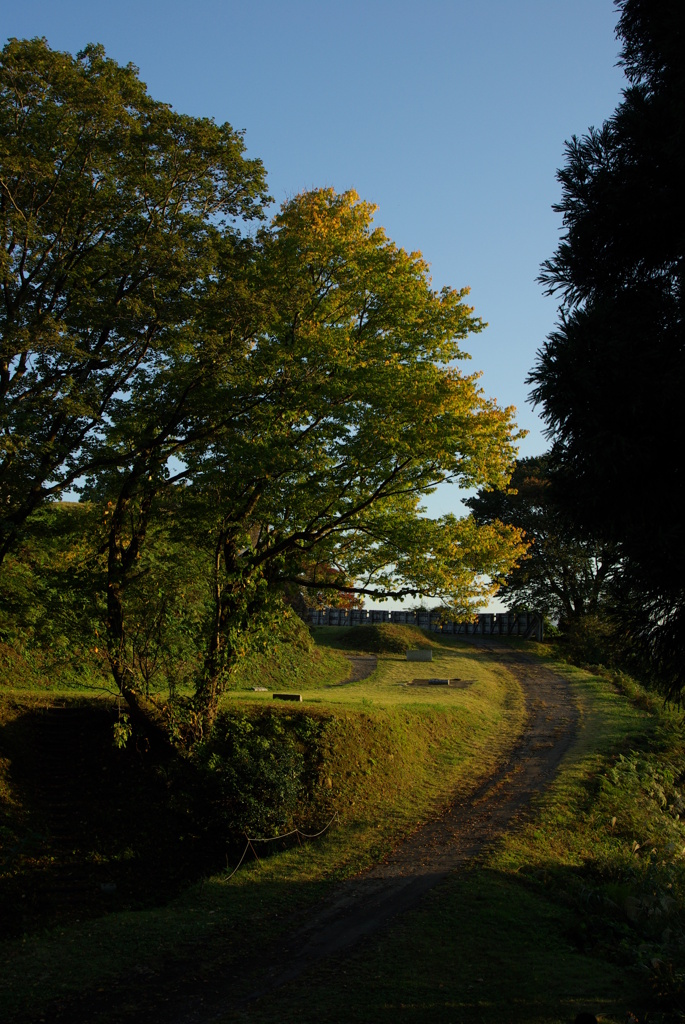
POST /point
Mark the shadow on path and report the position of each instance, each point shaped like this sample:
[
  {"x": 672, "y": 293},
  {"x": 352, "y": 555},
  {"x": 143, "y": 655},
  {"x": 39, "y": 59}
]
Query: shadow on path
[
  {"x": 360, "y": 906},
  {"x": 467, "y": 828}
]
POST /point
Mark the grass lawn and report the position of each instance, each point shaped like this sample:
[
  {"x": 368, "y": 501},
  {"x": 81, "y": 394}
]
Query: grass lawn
[
  {"x": 557, "y": 919},
  {"x": 579, "y": 909}
]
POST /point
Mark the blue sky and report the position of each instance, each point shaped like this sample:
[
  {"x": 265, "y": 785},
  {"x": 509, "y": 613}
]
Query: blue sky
[{"x": 450, "y": 115}]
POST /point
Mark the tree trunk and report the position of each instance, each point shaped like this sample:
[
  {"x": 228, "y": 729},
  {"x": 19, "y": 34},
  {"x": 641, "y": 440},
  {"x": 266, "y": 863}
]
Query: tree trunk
[
  {"x": 232, "y": 608},
  {"x": 147, "y": 719}
]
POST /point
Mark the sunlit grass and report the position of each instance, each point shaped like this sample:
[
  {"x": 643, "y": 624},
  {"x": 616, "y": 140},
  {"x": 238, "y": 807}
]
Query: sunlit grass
[
  {"x": 395, "y": 754},
  {"x": 518, "y": 939}
]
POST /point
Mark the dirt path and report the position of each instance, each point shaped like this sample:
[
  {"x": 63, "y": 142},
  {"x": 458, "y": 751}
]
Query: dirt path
[
  {"x": 362, "y": 667},
  {"x": 361, "y": 905}
]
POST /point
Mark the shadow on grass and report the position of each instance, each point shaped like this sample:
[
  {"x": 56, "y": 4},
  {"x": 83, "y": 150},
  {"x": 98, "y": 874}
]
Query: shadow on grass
[
  {"x": 481, "y": 946},
  {"x": 90, "y": 829}
]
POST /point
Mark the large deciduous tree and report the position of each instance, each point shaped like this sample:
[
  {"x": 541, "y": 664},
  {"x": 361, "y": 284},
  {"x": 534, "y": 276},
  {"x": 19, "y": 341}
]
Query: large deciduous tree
[
  {"x": 610, "y": 378},
  {"x": 269, "y": 409},
  {"x": 313, "y": 443},
  {"x": 111, "y": 210}
]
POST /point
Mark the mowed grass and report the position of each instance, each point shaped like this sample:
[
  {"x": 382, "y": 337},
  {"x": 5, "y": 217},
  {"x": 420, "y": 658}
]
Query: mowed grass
[
  {"x": 394, "y": 755},
  {"x": 390, "y": 684},
  {"x": 578, "y": 909},
  {"x": 545, "y": 926}
]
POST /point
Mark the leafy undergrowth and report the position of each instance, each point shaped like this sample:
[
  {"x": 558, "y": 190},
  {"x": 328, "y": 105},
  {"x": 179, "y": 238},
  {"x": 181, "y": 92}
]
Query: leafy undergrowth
[{"x": 609, "y": 840}]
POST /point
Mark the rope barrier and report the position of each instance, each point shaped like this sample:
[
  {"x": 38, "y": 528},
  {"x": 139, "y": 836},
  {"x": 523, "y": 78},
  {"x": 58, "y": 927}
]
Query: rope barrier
[{"x": 270, "y": 839}]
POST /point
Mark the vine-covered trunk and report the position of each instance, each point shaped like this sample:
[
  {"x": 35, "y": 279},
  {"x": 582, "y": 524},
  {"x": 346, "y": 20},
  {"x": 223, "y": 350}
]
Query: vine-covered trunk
[
  {"x": 220, "y": 655},
  {"x": 239, "y": 595},
  {"x": 146, "y": 719},
  {"x": 122, "y": 554}
]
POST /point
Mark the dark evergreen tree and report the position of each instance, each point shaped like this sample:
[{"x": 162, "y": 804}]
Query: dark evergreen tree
[{"x": 610, "y": 377}]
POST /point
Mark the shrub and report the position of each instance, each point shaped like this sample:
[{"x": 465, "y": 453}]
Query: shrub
[
  {"x": 592, "y": 640},
  {"x": 259, "y": 771}
]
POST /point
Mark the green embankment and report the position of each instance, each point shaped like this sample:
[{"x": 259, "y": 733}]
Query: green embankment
[
  {"x": 579, "y": 909},
  {"x": 391, "y": 755},
  {"x": 572, "y": 911}
]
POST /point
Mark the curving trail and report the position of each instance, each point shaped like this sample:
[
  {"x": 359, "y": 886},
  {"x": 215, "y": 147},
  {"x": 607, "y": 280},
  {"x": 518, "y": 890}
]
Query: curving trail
[{"x": 361, "y": 905}]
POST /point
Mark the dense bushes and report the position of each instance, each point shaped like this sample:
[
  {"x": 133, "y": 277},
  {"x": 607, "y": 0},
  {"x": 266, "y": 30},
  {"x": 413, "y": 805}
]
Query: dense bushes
[
  {"x": 593, "y": 640},
  {"x": 259, "y": 772}
]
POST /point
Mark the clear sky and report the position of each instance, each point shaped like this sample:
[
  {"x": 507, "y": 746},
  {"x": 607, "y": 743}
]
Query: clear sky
[{"x": 450, "y": 115}]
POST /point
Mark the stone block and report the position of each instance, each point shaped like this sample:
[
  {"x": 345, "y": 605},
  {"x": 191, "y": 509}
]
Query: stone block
[{"x": 422, "y": 655}]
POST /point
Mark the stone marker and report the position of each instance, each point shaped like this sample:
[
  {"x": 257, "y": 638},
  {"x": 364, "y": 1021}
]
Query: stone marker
[
  {"x": 460, "y": 683},
  {"x": 260, "y": 689},
  {"x": 423, "y": 655},
  {"x": 288, "y": 696}
]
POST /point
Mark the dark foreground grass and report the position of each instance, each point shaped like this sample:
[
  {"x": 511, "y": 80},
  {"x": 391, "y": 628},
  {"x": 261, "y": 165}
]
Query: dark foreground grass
[
  {"x": 482, "y": 948},
  {"x": 572, "y": 911}
]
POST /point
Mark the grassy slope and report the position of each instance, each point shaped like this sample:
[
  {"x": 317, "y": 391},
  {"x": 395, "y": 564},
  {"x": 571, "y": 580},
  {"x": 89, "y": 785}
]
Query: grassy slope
[
  {"x": 528, "y": 936},
  {"x": 34, "y": 674},
  {"x": 394, "y": 754},
  {"x": 581, "y": 909}
]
